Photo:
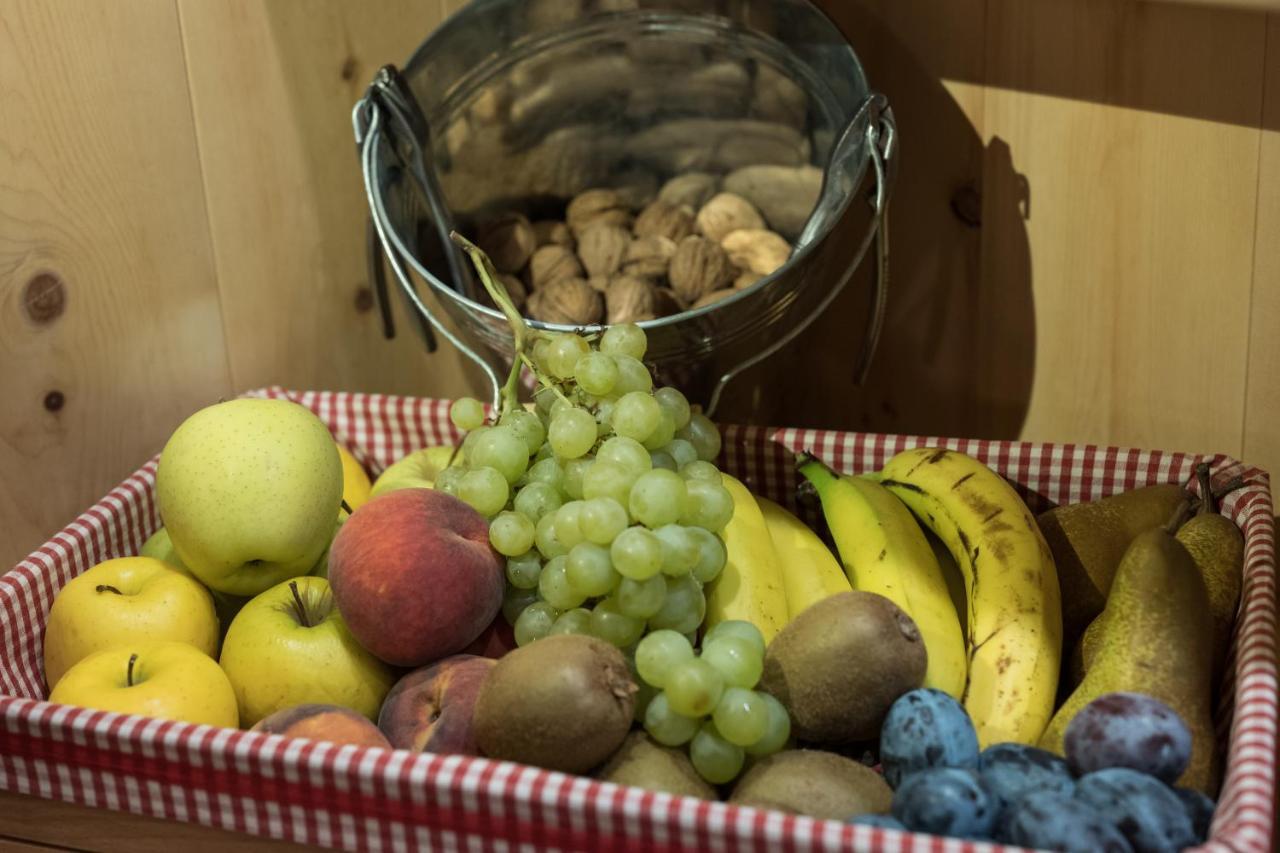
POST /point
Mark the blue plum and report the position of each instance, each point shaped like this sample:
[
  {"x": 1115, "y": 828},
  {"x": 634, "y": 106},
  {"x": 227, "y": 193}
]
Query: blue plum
[
  {"x": 1052, "y": 820},
  {"x": 1142, "y": 807},
  {"x": 1199, "y": 808},
  {"x": 945, "y": 801},
  {"x": 1128, "y": 730},
  {"x": 926, "y": 728},
  {"x": 882, "y": 821},
  {"x": 1010, "y": 771}
]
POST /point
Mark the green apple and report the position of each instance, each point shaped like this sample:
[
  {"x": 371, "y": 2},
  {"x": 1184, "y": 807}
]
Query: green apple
[
  {"x": 290, "y": 646},
  {"x": 126, "y": 600},
  {"x": 172, "y": 681},
  {"x": 417, "y": 470},
  {"x": 248, "y": 490},
  {"x": 160, "y": 546}
]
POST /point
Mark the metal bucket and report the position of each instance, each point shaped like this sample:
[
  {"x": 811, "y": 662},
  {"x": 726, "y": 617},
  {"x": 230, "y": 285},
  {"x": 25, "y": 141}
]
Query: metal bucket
[{"x": 521, "y": 103}]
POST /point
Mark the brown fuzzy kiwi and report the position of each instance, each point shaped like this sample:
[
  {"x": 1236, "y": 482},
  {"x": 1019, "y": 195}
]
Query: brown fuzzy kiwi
[
  {"x": 813, "y": 783},
  {"x": 840, "y": 664},
  {"x": 644, "y": 763},
  {"x": 562, "y": 702}
]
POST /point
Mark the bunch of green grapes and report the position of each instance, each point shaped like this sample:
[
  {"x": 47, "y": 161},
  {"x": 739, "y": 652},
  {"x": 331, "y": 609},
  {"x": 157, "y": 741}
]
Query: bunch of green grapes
[
  {"x": 707, "y": 700},
  {"x": 604, "y": 499}
]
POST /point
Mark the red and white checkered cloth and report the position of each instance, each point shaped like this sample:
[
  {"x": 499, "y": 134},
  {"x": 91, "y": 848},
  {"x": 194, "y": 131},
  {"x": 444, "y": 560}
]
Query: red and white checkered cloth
[{"x": 372, "y": 799}]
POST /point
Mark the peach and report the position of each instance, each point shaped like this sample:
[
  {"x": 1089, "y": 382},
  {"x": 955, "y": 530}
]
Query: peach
[
  {"x": 430, "y": 709},
  {"x": 323, "y": 722},
  {"x": 415, "y": 577},
  {"x": 498, "y": 639}
]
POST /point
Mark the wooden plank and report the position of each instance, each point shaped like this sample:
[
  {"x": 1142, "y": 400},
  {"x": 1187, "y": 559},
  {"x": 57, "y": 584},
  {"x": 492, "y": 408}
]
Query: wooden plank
[
  {"x": 67, "y": 826},
  {"x": 100, "y": 202},
  {"x": 1262, "y": 406},
  {"x": 1140, "y": 223},
  {"x": 273, "y": 85}
]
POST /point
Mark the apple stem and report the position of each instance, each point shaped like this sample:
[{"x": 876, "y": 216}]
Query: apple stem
[
  {"x": 297, "y": 603},
  {"x": 102, "y": 587},
  {"x": 128, "y": 676},
  {"x": 347, "y": 507}
]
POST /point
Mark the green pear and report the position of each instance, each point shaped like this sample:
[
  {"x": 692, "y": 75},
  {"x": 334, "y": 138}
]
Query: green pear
[{"x": 248, "y": 490}]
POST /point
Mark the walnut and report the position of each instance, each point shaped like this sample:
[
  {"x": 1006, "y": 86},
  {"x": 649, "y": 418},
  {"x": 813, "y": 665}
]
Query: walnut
[
  {"x": 664, "y": 220},
  {"x": 515, "y": 288},
  {"x": 508, "y": 241},
  {"x": 599, "y": 283},
  {"x": 756, "y": 249},
  {"x": 570, "y": 301},
  {"x": 744, "y": 280},
  {"x": 601, "y": 248},
  {"x": 649, "y": 257},
  {"x": 692, "y": 189},
  {"x": 698, "y": 267},
  {"x": 552, "y": 262},
  {"x": 627, "y": 299},
  {"x": 727, "y": 212},
  {"x": 548, "y": 231},
  {"x": 665, "y": 302},
  {"x": 713, "y": 297},
  {"x": 598, "y": 206}
]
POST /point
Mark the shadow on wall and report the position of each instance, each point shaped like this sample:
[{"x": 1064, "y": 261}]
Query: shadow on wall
[{"x": 957, "y": 355}]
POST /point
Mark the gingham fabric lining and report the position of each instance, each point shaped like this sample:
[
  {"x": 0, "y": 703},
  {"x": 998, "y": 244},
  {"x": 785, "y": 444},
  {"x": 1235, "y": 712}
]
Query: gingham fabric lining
[{"x": 368, "y": 799}]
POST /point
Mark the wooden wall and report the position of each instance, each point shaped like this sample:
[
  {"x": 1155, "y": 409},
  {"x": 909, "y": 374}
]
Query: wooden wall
[{"x": 181, "y": 218}]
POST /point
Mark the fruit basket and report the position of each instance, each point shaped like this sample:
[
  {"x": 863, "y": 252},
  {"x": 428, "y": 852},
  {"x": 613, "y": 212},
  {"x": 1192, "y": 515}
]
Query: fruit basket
[{"x": 373, "y": 799}]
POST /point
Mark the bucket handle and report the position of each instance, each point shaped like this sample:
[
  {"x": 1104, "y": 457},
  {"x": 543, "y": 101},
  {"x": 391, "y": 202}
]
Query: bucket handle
[{"x": 881, "y": 138}]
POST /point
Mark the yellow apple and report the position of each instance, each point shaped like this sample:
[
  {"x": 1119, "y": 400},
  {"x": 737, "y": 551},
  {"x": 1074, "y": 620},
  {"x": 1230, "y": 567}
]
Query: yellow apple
[
  {"x": 417, "y": 470},
  {"x": 291, "y": 646},
  {"x": 249, "y": 490},
  {"x": 127, "y": 600},
  {"x": 172, "y": 681},
  {"x": 355, "y": 482}
]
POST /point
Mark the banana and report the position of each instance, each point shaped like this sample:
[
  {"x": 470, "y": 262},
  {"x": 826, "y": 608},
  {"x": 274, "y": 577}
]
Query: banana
[
  {"x": 750, "y": 587},
  {"x": 1015, "y": 612},
  {"x": 809, "y": 572},
  {"x": 884, "y": 551}
]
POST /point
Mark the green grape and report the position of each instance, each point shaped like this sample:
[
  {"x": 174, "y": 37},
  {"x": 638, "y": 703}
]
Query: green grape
[
  {"x": 632, "y": 376},
  {"x": 739, "y": 628},
  {"x": 564, "y": 353},
  {"x": 624, "y": 339},
  {"x": 658, "y": 498},
  {"x": 559, "y": 405},
  {"x": 680, "y": 550},
  {"x": 485, "y": 489},
  {"x": 708, "y": 505},
  {"x": 469, "y": 441},
  {"x": 659, "y": 653},
  {"x": 574, "y": 472},
  {"x": 596, "y": 373},
  {"x": 553, "y": 586},
  {"x": 683, "y": 608},
  {"x": 662, "y": 459},
  {"x": 699, "y": 470},
  {"x": 736, "y": 659},
  {"x": 515, "y": 600},
  {"x": 503, "y": 449},
  {"x": 604, "y": 418},
  {"x": 575, "y": 621},
  {"x": 537, "y": 500},
  {"x": 467, "y": 413},
  {"x": 567, "y": 529},
  {"x": 534, "y": 622},
  {"x": 511, "y": 533},
  {"x": 644, "y": 695},
  {"x": 711, "y": 554},
  {"x": 640, "y": 599},
  {"x": 741, "y": 716},
  {"x": 544, "y": 536},
  {"x": 523, "y": 571},
  {"x": 602, "y": 519},
  {"x": 693, "y": 688},
  {"x": 449, "y": 479},
  {"x": 542, "y": 352},
  {"x": 682, "y": 452},
  {"x": 572, "y": 433},
  {"x": 666, "y": 726},
  {"x": 612, "y": 626},
  {"x": 675, "y": 404},
  {"x": 636, "y": 415},
  {"x": 545, "y": 397},
  {"x": 627, "y": 453},
  {"x": 636, "y": 553},
  {"x": 589, "y": 570},
  {"x": 716, "y": 759},
  {"x": 546, "y": 470},
  {"x": 528, "y": 426},
  {"x": 703, "y": 435},
  {"x": 608, "y": 480},
  {"x": 662, "y": 434},
  {"x": 545, "y": 451},
  {"x": 777, "y": 731}
]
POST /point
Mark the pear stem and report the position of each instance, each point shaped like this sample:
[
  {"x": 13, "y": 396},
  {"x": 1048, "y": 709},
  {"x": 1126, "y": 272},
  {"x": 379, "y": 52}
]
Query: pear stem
[
  {"x": 1234, "y": 484},
  {"x": 299, "y": 606},
  {"x": 102, "y": 587},
  {"x": 1179, "y": 516},
  {"x": 1206, "y": 489},
  {"x": 128, "y": 674}
]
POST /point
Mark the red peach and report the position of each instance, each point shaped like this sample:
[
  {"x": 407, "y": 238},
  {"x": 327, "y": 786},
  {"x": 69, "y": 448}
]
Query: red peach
[
  {"x": 414, "y": 576},
  {"x": 322, "y": 722},
  {"x": 430, "y": 709},
  {"x": 498, "y": 639}
]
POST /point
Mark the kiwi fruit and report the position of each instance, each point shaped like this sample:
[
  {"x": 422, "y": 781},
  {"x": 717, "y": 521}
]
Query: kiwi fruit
[
  {"x": 643, "y": 763},
  {"x": 813, "y": 783},
  {"x": 840, "y": 664},
  {"x": 563, "y": 703}
]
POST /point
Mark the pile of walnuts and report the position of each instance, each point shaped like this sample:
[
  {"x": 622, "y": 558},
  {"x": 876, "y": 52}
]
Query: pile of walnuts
[{"x": 607, "y": 262}]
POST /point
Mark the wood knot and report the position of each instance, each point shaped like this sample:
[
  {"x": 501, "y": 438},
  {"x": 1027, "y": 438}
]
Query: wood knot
[
  {"x": 45, "y": 298},
  {"x": 966, "y": 204},
  {"x": 364, "y": 299},
  {"x": 54, "y": 401},
  {"x": 349, "y": 68}
]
